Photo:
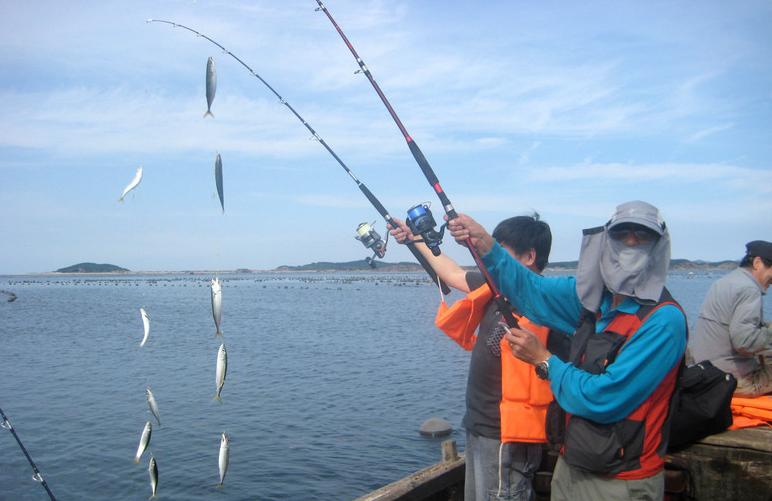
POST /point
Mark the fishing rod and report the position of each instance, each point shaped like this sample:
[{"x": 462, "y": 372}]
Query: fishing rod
[
  {"x": 419, "y": 216},
  {"x": 37, "y": 477},
  {"x": 373, "y": 200}
]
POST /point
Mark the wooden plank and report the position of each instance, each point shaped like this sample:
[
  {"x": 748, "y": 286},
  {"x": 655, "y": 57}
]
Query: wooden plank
[
  {"x": 444, "y": 480},
  {"x": 735, "y": 464},
  {"x": 757, "y": 438}
]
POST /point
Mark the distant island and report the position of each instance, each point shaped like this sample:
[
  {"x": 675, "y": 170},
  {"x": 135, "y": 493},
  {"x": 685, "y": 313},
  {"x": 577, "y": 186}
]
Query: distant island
[
  {"x": 361, "y": 265},
  {"x": 92, "y": 268}
]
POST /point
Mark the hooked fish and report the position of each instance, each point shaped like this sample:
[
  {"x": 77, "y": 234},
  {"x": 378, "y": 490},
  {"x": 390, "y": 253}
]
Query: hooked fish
[
  {"x": 146, "y": 324},
  {"x": 218, "y": 180},
  {"x": 144, "y": 440},
  {"x": 211, "y": 86},
  {"x": 153, "y": 471},
  {"x": 225, "y": 452},
  {"x": 133, "y": 184},
  {"x": 217, "y": 304},
  {"x": 222, "y": 368},
  {"x": 153, "y": 405}
]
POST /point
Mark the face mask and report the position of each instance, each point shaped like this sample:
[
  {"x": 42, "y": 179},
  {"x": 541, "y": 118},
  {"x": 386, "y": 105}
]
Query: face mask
[{"x": 632, "y": 258}]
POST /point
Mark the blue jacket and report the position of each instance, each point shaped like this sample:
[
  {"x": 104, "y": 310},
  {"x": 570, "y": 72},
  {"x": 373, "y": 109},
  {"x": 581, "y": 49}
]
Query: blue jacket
[{"x": 641, "y": 364}]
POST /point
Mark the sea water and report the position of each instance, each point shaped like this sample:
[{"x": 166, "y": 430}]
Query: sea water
[{"x": 329, "y": 379}]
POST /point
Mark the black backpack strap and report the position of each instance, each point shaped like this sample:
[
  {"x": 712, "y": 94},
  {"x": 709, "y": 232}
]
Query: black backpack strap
[
  {"x": 584, "y": 330},
  {"x": 559, "y": 343}
]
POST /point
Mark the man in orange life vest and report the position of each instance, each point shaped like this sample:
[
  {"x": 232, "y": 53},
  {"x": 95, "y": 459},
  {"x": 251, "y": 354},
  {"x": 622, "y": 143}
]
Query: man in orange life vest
[
  {"x": 505, "y": 402},
  {"x": 625, "y": 352}
]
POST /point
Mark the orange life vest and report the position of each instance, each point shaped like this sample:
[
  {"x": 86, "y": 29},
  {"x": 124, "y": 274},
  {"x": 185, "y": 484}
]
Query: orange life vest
[
  {"x": 525, "y": 397},
  {"x": 751, "y": 411}
]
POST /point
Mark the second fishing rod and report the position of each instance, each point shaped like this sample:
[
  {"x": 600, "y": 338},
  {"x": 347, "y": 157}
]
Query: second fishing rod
[
  {"x": 365, "y": 234},
  {"x": 419, "y": 217}
]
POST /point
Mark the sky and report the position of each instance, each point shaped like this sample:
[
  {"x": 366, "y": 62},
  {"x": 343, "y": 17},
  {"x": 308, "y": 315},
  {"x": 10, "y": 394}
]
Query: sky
[{"x": 563, "y": 108}]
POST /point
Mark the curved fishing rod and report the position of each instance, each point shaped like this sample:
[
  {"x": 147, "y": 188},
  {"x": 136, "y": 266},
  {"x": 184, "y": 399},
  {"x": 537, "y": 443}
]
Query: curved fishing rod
[
  {"x": 37, "y": 477},
  {"x": 426, "y": 168},
  {"x": 374, "y": 201}
]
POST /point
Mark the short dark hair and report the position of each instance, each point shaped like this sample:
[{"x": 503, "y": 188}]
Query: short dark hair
[
  {"x": 747, "y": 261},
  {"x": 523, "y": 233}
]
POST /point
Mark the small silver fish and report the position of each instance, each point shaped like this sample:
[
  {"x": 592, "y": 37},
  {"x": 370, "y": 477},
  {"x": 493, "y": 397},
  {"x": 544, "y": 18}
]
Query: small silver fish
[
  {"x": 153, "y": 405},
  {"x": 146, "y": 324},
  {"x": 144, "y": 440},
  {"x": 133, "y": 184},
  {"x": 218, "y": 180},
  {"x": 153, "y": 471},
  {"x": 211, "y": 86},
  {"x": 225, "y": 452},
  {"x": 222, "y": 368},
  {"x": 217, "y": 305}
]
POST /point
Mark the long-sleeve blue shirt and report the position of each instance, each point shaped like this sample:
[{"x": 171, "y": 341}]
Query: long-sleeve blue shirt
[{"x": 642, "y": 363}]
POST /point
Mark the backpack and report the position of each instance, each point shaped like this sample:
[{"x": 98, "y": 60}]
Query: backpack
[{"x": 701, "y": 403}]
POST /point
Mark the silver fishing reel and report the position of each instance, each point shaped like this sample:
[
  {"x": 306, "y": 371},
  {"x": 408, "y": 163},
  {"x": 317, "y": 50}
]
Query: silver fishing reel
[{"x": 371, "y": 240}]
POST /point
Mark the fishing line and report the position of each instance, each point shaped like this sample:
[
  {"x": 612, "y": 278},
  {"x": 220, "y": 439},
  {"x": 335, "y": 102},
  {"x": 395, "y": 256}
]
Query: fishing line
[
  {"x": 37, "y": 477},
  {"x": 373, "y": 200},
  {"x": 434, "y": 182}
]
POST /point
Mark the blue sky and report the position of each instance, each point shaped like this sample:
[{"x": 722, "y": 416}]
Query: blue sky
[{"x": 566, "y": 108}]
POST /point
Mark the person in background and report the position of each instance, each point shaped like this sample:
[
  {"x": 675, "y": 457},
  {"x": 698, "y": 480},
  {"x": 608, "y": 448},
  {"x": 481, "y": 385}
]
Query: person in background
[
  {"x": 505, "y": 402},
  {"x": 730, "y": 331},
  {"x": 625, "y": 353}
]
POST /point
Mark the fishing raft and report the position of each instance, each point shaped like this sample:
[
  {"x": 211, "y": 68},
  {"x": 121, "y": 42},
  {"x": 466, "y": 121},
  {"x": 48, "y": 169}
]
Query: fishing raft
[{"x": 734, "y": 464}]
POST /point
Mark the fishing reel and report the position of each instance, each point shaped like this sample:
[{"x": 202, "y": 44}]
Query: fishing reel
[
  {"x": 373, "y": 241},
  {"x": 422, "y": 223}
]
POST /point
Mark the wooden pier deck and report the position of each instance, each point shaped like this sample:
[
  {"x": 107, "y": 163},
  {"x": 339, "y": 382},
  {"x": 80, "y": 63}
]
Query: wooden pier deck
[{"x": 729, "y": 466}]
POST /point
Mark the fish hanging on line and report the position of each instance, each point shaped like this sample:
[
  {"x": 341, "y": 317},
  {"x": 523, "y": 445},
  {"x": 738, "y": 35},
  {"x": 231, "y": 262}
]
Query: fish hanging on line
[
  {"x": 224, "y": 456},
  {"x": 152, "y": 469},
  {"x": 222, "y": 368},
  {"x": 133, "y": 184},
  {"x": 153, "y": 405},
  {"x": 146, "y": 325},
  {"x": 218, "y": 180},
  {"x": 211, "y": 86},
  {"x": 217, "y": 305},
  {"x": 144, "y": 440}
]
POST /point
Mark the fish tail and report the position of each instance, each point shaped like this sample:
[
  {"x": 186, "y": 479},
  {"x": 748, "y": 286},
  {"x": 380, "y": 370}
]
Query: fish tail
[
  {"x": 218, "y": 333},
  {"x": 208, "y": 114},
  {"x": 152, "y": 497},
  {"x": 136, "y": 460},
  {"x": 120, "y": 199},
  {"x": 218, "y": 398},
  {"x": 220, "y": 486}
]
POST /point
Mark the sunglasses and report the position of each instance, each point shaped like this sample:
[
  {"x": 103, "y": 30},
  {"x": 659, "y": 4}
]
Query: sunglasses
[{"x": 624, "y": 232}]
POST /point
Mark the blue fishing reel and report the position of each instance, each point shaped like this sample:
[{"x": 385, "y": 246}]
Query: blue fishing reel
[
  {"x": 371, "y": 240},
  {"x": 422, "y": 223}
]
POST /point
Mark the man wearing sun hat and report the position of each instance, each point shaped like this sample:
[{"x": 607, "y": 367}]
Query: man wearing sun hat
[
  {"x": 731, "y": 331},
  {"x": 629, "y": 338}
]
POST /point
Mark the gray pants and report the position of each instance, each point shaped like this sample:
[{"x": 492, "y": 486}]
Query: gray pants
[
  {"x": 757, "y": 383},
  {"x": 569, "y": 483},
  {"x": 496, "y": 471}
]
